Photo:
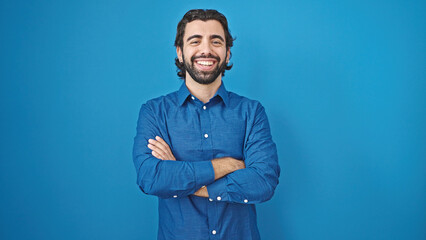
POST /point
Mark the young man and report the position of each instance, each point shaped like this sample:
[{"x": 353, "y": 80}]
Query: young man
[{"x": 207, "y": 153}]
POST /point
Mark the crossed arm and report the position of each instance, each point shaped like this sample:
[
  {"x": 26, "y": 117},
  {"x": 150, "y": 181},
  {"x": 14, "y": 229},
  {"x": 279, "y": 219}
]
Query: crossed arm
[
  {"x": 221, "y": 166},
  {"x": 159, "y": 174}
]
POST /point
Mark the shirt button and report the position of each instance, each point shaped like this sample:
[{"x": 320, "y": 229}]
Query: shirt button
[
  {"x": 219, "y": 198},
  {"x": 214, "y": 232},
  {"x": 204, "y": 107},
  {"x": 211, "y": 200},
  {"x": 193, "y": 98},
  {"x": 245, "y": 200},
  {"x": 175, "y": 196},
  {"x": 206, "y": 135}
]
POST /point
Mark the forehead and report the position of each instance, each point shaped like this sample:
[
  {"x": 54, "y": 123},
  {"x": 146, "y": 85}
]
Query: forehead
[{"x": 207, "y": 28}]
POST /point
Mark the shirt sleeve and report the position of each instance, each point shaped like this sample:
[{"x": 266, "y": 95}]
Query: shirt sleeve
[
  {"x": 164, "y": 178},
  {"x": 257, "y": 182}
]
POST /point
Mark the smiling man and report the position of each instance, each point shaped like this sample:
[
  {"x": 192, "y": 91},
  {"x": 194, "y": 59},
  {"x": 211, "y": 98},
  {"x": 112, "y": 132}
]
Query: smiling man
[{"x": 207, "y": 153}]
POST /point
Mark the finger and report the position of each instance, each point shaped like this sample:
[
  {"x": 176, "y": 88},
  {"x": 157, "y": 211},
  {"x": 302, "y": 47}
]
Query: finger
[
  {"x": 159, "y": 151},
  {"x": 167, "y": 148},
  {"x": 162, "y": 144},
  {"x": 157, "y": 144},
  {"x": 156, "y": 155},
  {"x": 159, "y": 139}
]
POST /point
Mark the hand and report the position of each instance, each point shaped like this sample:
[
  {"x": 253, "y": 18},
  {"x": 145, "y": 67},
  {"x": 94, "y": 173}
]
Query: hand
[
  {"x": 160, "y": 149},
  {"x": 202, "y": 192}
]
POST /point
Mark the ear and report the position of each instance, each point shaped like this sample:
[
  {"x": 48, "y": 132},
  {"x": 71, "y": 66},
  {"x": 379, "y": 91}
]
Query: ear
[
  {"x": 228, "y": 55},
  {"x": 179, "y": 54}
]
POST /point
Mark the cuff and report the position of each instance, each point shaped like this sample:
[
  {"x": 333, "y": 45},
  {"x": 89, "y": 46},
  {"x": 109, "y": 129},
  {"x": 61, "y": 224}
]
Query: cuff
[
  {"x": 204, "y": 173},
  {"x": 217, "y": 190}
]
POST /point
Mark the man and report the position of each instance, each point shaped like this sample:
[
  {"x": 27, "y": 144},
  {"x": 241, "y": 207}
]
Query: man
[{"x": 207, "y": 153}]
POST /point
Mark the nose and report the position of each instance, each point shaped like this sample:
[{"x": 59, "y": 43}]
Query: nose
[{"x": 205, "y": 48}]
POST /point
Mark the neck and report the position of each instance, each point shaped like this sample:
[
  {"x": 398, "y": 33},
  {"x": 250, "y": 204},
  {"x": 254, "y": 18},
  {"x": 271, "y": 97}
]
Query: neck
[{"x": 204, "y": 92}]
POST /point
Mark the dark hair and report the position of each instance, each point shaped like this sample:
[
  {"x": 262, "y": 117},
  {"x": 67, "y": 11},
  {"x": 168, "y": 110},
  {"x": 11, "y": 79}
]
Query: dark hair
[{"x": 203, "y": 15}]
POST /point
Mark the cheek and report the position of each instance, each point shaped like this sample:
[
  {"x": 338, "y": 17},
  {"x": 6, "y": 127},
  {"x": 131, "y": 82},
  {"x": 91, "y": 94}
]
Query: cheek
[
  {"x": 225, "y": 54},
  {"x": 188, "y": 54}
]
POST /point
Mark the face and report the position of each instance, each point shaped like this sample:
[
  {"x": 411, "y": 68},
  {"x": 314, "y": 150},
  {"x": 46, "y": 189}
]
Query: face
[{"x": 204, "y": 52}]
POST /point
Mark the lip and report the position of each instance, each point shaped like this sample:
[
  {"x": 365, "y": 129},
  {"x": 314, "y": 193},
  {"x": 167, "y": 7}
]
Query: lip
[{"x": 203, "y": 67}]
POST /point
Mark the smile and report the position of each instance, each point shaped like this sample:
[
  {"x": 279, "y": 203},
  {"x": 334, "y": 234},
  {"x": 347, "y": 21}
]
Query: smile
[{"x": 205, "y": 63}]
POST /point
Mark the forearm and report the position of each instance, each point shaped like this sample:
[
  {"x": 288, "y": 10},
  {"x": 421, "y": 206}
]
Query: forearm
[
  {"x": 226, "y": 165},
  {"x": 257, "y": 182},
  {"x": 221, "y": 167},
  {"x": 162, "y": 178},
  {"x": 254, "y": 184},
  {"x": 167, "y": 179}
]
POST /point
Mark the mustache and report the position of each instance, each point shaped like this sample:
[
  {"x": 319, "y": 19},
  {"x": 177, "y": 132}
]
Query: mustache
[{"x": 205, "y": 56}]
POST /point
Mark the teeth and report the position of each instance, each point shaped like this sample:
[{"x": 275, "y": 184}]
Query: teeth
[{"x": 205, "y": 63}]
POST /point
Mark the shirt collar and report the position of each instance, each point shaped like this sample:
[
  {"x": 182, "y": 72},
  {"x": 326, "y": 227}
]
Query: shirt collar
[
  {"x": 223, "y": 93},
  {"x": 183, "y": 93}
]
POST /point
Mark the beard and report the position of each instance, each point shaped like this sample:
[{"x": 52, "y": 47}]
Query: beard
[{"x": 204, "y": 77}]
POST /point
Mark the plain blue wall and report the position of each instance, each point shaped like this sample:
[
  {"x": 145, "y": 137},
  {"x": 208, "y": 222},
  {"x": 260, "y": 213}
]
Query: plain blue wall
[{"x": 343, "y": 83}]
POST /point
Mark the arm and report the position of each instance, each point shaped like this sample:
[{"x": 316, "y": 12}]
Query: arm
[
  {"x": 257, "y": 179},
  {"x": 165, "y": 179},
  {"x": 257, "y": 182},
  {"x": 221, "y": 166}
]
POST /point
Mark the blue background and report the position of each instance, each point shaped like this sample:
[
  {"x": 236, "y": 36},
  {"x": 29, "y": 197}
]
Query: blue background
[{"x": 343, "y": 84}]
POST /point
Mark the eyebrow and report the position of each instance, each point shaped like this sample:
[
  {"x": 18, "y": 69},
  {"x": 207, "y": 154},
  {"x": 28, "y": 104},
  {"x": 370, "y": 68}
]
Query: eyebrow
[
  {"x": 217, "y": 36},
  {"x": 211, "y": 37},
  {"x": 193, "y": 36}
]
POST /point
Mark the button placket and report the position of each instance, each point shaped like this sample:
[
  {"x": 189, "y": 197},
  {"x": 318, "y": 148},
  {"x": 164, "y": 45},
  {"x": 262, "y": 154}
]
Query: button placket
[
  {"x": 205, "y": 130},
  {"x": 212, "y": 216},
  {"x": 207, "y": 147}
]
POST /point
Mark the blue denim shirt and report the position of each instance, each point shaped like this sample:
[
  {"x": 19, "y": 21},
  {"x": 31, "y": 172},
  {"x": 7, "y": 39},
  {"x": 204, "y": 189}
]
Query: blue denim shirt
[{"x": 228, "y": 125}]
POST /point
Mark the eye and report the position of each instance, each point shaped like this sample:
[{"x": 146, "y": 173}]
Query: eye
[
  {"x": 194, "y": 42},
  {"x": 216, "y": 42}
]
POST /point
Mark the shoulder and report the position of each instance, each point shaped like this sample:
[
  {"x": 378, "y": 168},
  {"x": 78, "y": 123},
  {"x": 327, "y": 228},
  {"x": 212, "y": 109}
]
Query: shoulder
[
  {"x": 236, "y": 100},
  {"x": 252, "y": 110},
  {"x": 162, "y": 102}
]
